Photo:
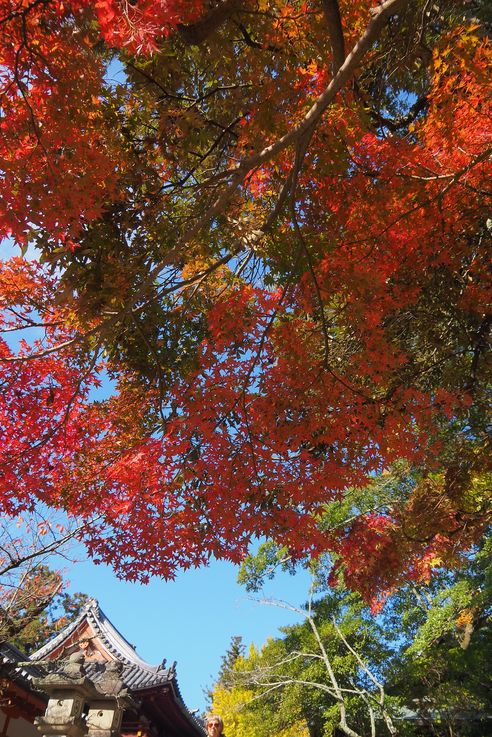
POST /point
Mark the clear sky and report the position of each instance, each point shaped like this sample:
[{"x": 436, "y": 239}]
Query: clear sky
[{"x": 190, "y": 620}]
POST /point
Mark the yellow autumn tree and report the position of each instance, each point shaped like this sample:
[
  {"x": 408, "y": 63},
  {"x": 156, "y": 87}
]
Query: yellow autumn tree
[
  {"x": 246, "y": 711},
  {"x": 239, "y": 721}
]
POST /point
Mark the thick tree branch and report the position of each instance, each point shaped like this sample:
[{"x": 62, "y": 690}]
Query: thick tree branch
[
  {"x": 352, "y": 61},
  {"x": 335, "y": 30},
  {"x": 252, "y": 43},
  {"x": 403, "y": 121},
  {"x": 196, "y": 33},
  {"x": 310, "y": 120}
]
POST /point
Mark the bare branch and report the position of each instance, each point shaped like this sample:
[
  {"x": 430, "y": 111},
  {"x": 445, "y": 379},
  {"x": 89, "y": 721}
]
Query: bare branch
[
  {"x": 371, "y": 676},
  {"x": 53, "y": 546}
]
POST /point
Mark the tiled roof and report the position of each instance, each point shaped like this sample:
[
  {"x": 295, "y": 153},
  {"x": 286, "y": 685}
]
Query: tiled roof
[
  {"x": 137, "y": 674},
  {"x": 11, "y": 657}
]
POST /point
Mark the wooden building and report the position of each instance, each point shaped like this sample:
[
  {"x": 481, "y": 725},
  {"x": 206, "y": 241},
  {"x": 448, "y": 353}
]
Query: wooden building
[{"x": 88, "y": 681}]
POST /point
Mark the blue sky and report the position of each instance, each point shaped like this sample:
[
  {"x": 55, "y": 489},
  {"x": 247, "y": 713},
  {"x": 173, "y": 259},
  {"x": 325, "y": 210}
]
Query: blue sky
[{"x": 192, "y": 619}]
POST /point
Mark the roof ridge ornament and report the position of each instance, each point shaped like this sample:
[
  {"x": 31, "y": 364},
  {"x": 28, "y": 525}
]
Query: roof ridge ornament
[{"x": 93, "y": 604}]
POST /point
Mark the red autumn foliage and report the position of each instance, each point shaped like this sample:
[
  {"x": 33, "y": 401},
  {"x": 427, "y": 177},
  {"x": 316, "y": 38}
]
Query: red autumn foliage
[{"x": 276, "y": 330}]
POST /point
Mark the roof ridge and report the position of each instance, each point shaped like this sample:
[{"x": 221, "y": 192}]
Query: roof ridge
[{"x": 112, "y": 639}]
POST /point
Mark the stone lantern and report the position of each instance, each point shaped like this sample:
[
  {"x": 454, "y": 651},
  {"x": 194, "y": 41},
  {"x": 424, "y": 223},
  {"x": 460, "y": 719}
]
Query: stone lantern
[
  {"x": 79, "y": 706},
  {"x": 68, "y": 689},
  {"x": 106, "y": 709}
]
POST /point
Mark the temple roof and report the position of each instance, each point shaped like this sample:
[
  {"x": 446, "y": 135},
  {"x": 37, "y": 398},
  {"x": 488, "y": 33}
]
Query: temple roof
[
  {"x": 103, "y": 642},
  {"x": 18, "y": 696},
  {"x": 17, "y": 663},
  {"x": 98, "y": 639}
]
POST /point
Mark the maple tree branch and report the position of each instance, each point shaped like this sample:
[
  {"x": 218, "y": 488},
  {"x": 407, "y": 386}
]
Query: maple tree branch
[
  {"x": 484, "y": 156},
  {"x": 66, "y": 414},
  {"x": 202, "y": 157},
  {"x": 250, "y": 439},
  {"x": 157, "y": 362},
  {"x": 16, "y": 562},
  {"x": 375, "y": 26},
  {"x": 196, "y": 280},
  {"x": 455, "y": 179},
  {"x": 31, "y": 324},
  {"x": 257, "y": 355},
  {"x": 248, "y": 38},
  {"x": 403, "y": 121},
  {"x": 252, "y": 43},
  {"x": 23, "y": 89},
  {"x": 150, "y": 78},
  {"x": 22, "y": 13},
  {"x": 281, "y": 200},
  {"x": 267, "y": 329},
  {"x": 41, "y": 354},
  {"x": 65, "y": 344},
  {"x": 324, "y": 327},
  {"x": 331, "y": 11},
  {"x": 196, "y": 33},
  {"x": 396, "y": 124},
  {"x": 308, "y": 123},
  {"x": 221, "y": 88}
]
